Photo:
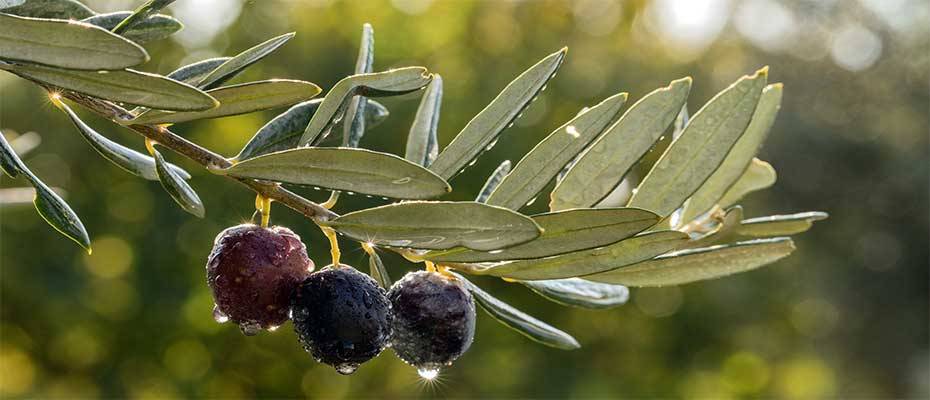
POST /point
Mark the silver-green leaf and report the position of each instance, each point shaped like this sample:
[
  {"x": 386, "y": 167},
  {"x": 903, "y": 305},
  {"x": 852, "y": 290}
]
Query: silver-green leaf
[
  {"x": 378, "y": 272},
  {"x": 57, "y": 9},
  {"x": 578, "y": 292},
  {"x": 354, "y": 127},
  {"x": 242, "y": 61},
  {"x": 493, "y": 181},
  {"x": 604, "y": 164},
  {"x": 759, "y": 175},
  {"x": 140, "y": 15},
  {"x": 422, "y": 147},
  {"x": 543, "y": 162},
  {"x": 701, "y": 148},
  {"x": 779, "y": 225},
  {"x": 694, "y": 265},
  {"x": 193, "y": 73},
  {"x": 180, "y": 191},
  {"x": 482, "y": 131},
  {"x": 438, "y": 225},
  {"x": 156, "y": 27},
  {"x": 66, "y": 44},
  {"x": 341, "y": 168}
]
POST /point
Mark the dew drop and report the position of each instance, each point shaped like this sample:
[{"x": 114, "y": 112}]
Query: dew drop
[
  {"x": 533, "y": 200},
  {"x": 250, "y": 328},
  {"x": 428, "y": 373},
  {"x": 219, "y": 316},
  {"x": 273, "y": 328},
  {"x": 346, "y": 368},
  {"x": 402, "y": 181}
]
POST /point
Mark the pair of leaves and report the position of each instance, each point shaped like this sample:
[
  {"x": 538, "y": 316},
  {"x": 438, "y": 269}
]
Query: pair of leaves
[
  {"x": 155, "y": 27},
  {"x": 484, "y": 129},
  {"x": 50, "y": 206},
  {"x": 438, "y": 225},
  {"x": 231, "y": 67},
  {"x": 563, "y": 232},
  {"x": 179, "y": 190}
]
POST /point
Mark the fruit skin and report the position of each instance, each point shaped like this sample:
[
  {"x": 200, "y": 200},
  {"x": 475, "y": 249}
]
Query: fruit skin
[
  {"x": 253, "y": 273},
  {"x": 434, "y": 319},
  {"x": 342, "y": 317}
]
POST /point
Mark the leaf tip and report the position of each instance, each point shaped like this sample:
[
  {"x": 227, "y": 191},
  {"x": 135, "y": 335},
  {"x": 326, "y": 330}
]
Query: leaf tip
[{"x": 762, "y": 72}]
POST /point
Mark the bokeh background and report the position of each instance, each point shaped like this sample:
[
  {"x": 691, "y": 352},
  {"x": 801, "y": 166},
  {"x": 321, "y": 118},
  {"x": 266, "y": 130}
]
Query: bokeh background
[{"x": 845, "y": 317}]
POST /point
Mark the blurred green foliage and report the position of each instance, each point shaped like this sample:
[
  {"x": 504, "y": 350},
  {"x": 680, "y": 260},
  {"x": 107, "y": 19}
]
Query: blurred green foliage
[{"x": 846, "y": 316}]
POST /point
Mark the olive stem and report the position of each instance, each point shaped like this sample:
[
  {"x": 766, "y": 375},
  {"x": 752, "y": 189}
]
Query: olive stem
[
  {"x": 333, "y": 244},
  {"x": 263, "y": 205}
]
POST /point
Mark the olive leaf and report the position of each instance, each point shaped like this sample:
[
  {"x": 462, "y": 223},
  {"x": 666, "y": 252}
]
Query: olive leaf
[
  {"x": 604, "y": 164},
  {"x": 128, "y": 86},
  {"x": 195, "y": 72},
  {"x": 66, "y": 44},
  {"x": 422, "y": 146},
  {"x": 53, "y": 209},
  {"x": 140, "y": 14},
  {"x": 57, "y": 9},
  {"x": 543, "y": 162},
  {"x": 759, "y": 175},
  {"x": 393, "y": 82},
  {"x": 378, "y": 272},
  {"x": 353, "y": 170},
  {"x": 493, "y": 181},
  {"x": 130, "y": 160},
  {"x": 174, "y": 184},
  {"x": 438, "y": 225},
  {"x": 585, "y": 262},
  {"x": 563, "y": 232},
  {"x": 483, "y": 130},
  {"x": 693, "y": 265},
  {"x": 519, "y": 321},
  {"x": 241, "y": 61},
  {"x": 354, "y": 128},
  {"x": 701, "y": 148},
  {"x": 739, "y": 157},
  {"x": 779, "y": 225},
  {"x": 580, "y": 293},
  {"x": 237, "y": 99},
  {"x": 156, "y": 27}
]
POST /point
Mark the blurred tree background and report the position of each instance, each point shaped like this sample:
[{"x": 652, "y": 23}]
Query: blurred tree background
[{"x": 845, "y": 316}]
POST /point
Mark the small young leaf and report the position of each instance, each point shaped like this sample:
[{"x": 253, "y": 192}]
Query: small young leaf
[
  {"x": 493, "y": 181},
  {"x": 388, "y": 83},
  {"x": 238, "y": 99},
  {"x": 354, "y": 128},
  {"x": 779, "y": 225},
  {"x": 127, "y": 86},
  {"x": 438, "y": 225},
  {"x": 580, "y": 293},
  {"x": 563, "y": 232},
  {"x": 545, "y": 160},
  {"x": 156, "y": 27},
  {"x": 587, "y": 262},
  {"x": 140, "y": 15},
  {"x": 759, "y": 175},
  {"x": 130, "y": 160},
  {"x": 693, "y": 265},
  {"x": 179, "y": 190},
  {"x": 603, "y": 165},
  {"x": 739, "y": 157},
  {"x": 723, "y": 232},
  {"x": 378, "y": 272},
  {"x": 242, "y": 61},
  {"x": 342, "y": 168},
  {"x": 195, "y": 72},
  {"x": 423, "y": 131},
  {"x": 66, "y": 44},
  {"x": 56, "y": 9},
  {"x": 482, "y": 131},
  {"x": 519, "y": 321},
  {"x": 700, "y": 149}
]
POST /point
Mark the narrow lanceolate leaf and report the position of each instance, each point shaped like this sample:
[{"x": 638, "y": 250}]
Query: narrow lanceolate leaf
[
  {"x": 693, "y": 265},
  {"x": 353, "y": 170},
  {"x": 587, "y": 262},
  {"x": 393, "y": 82},
  {"x": 438, "y": 225},
  {"x": 179, "y": 190},
  {"x": 57, "y": 9},
  {"x": 127, "y": 86},
  {"x": 130, "y": 160},
  {"x": 140, "y": 15},
  {"x": 242, "y": 61},
  {"x": 50, "y": 206},
  {"x": 378, "y": 272},
  {"x": 779, "y": 225},
  {"x": 422, "y": 147},
  {"x": 545, "y": 160},
  {"x": 354, "y": 128},
  {"x": 759, "y": 175},
  {"x": 484, "y": 129},
  {"x": 193, "y": 73},
  {"x": 66, "y": 44},
  {"x": 238, "y": 99},
  {"x": 739, "y": 157},
  {"x": 603, "y": 165},
  {"x": 519, "y": 321},
  {"x": 580, "y": 293},
  {"x": 493, "y": 181},
  {"x": 701, "y": 148},
  {"x": 563, "y": 232},
  {"x": 156, "y": 27}
]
